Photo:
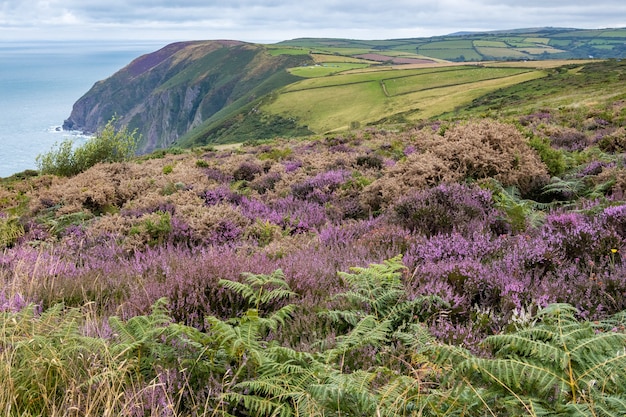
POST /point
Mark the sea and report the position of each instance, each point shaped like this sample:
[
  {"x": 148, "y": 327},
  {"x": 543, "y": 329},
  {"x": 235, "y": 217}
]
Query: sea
[{"x": 39, "y": 83}]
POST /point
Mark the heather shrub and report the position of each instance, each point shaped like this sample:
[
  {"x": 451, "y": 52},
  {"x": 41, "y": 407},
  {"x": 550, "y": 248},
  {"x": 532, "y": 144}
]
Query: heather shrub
[
  {"x": 577, "y": 236},
  {"x": 568, "y": 139},
  {"x": 446, "y": 208},
  {"x": 265, "y": 182},
  {"x": 613, "y": 218},
  {"x": 109, "y": 145},
  {"x": 320, "y": 187},
  {"x": 247, "y": 171},
  {"x": 369, "y": 161}
]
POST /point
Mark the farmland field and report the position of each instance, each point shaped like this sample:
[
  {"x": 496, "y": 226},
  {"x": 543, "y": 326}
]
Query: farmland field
[
  {"x": 331, "y": 103},
  {"x": 404, "y": 85},
  {"x": 324, "y": 69},
  {"x": 494, "y": 44},
  {"x": 568, "y": 43},
  {"x": 456, "y": 44},
  {"x": 363, "y": 77},
  {"x": 537, "y": 40},
  {"x": 454, "y": 54},
  {"x": 287, "y": 51},
  {"x": 323, "y": 58},
  {"x": 501, "y": 53}
]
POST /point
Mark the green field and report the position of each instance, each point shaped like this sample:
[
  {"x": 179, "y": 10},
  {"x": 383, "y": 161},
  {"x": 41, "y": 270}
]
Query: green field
[
  {"x": 494, "y": 44},
  {"x": 331, "y": 103},
  {"x": 405, "y": 85},
  {"x": 287, "y": 51},
  {"x": 537, "y": 40},
  {"x": 569, "y": 44},
  {"x": 455, "y": 44},
  {"x": 329, "y": 68},
  {"x": 501, "y": 53}
]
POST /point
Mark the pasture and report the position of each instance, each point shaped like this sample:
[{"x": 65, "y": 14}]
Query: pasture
[{"x": 331, "y": 103}]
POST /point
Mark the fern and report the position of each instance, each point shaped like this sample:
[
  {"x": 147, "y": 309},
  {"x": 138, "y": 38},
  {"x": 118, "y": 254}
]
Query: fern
[
  {"x": 145, "y": 340},
  {"x": 44, "y": 356},
  {"x": 378, "y": 291},
  {"x": 560, "y": 365},
  {"x": 10, "y": 230}
]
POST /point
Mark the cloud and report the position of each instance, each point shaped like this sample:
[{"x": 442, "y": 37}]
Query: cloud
[{"x": 262, "y": 20}]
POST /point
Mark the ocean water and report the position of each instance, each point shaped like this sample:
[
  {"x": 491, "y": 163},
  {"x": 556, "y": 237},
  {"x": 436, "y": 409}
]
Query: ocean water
[{"x": 39, "y": 83}]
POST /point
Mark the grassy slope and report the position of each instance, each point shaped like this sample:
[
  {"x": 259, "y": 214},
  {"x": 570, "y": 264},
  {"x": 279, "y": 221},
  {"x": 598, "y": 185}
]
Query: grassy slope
[
  {"x": 241, "y": 95},
  {"x": 575, "y": 85},
  {"x": 331, "y": 103}
]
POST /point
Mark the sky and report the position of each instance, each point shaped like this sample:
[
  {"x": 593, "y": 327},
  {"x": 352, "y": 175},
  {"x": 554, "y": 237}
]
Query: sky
[{"x": 268, "y": 21}]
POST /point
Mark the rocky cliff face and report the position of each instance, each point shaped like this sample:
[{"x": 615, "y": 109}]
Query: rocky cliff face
[{"x": 167, "y": 93}]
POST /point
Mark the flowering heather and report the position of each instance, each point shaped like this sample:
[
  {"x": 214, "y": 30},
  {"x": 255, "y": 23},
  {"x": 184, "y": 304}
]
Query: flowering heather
[
  {"x": 320, "y": 187},
  {"x": 315, "y": 211},
  {"x": 446, "y": 208},
  {"x": 292, "y": 165}
]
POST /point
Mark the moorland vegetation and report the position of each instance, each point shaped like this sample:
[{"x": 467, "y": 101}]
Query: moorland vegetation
[{"x": 468, "y": 265}]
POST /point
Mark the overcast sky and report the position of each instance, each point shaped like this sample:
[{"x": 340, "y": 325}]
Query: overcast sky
[{"x": 275, "y": 20}]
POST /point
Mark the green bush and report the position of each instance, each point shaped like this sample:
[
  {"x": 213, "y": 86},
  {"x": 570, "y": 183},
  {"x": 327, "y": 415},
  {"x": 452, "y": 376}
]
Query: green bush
[
  {"x": 553, "y": 158},
  {"x": 110, "y": 145}
]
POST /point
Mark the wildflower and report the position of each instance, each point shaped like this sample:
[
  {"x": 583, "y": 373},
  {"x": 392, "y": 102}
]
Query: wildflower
[{"x": 613, "y": 250}]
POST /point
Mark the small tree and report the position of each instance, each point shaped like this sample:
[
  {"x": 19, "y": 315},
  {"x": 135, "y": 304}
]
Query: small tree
[{"x": 110, "y": 145}]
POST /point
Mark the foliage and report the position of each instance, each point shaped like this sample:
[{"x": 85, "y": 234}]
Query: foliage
[
  {"x": 559, "y": 366},
  {"x": 10, "y": 230},
  {"x": 109, "y": 145}
]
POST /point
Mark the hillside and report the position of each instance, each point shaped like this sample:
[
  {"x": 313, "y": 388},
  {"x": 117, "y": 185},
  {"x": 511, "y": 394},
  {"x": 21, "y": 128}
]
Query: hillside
[
  {"x": 402, "y": 272},
  {"x": 196, "y": 93},
  {"x": 166, "y": 93},
  {"x": 519, "y": 44}
]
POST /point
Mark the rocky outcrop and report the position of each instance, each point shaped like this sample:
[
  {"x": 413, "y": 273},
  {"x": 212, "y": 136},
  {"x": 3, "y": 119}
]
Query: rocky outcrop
[{"x": 167, "y": 93}]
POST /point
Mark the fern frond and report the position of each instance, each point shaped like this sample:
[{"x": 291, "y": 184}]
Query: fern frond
[
  {"x": 515, "y": 346},
  {"x": 517, "y": 375},
  {"x": 260, "y": 406},
  {"x": 280, "y": 316},
  {"x": 368, "y": 331},
  {"x": 241, "y": 288}
]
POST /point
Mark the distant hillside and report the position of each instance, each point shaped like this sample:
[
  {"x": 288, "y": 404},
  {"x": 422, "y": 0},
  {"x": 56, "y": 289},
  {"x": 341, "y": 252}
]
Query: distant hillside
[
  {"x": 195, "y": 93},
  {"x": 167, "y": 93},
  {"x": 515, "y": 44}
]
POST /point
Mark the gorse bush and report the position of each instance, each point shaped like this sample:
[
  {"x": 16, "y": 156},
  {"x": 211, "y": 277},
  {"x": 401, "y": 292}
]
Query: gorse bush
[{"x": 109, "y": 145}]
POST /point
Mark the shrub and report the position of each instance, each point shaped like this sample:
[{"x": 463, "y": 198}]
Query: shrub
[
  {"x": 614, "y": 142},
  {"x": 569, "y": 139},
  {"x": 369, "y": 161},
  {"x": 110, "y": 145},
  {"x": 446, "y": 208},
  {"x": 553, "y": 158},
  {"x": 247, "y": 171}
]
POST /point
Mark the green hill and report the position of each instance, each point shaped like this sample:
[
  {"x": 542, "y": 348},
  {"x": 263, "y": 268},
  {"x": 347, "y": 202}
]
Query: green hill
[{"x": 197, "y": 93}]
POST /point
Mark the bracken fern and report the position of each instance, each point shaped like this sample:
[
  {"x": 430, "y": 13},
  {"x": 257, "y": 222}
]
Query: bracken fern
[{"x": 559, "y": 366}]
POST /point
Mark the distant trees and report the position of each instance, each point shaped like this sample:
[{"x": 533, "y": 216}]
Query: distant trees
[{"x": 110, "y": 145}]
